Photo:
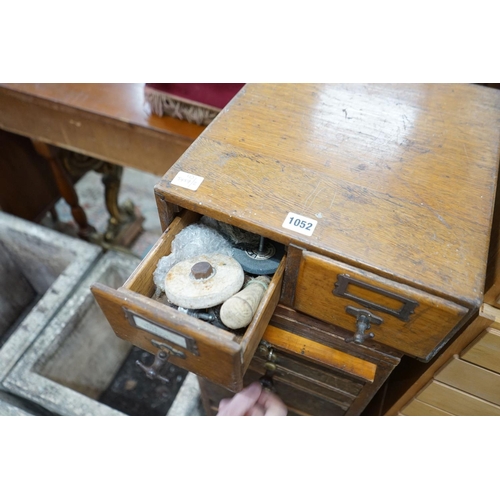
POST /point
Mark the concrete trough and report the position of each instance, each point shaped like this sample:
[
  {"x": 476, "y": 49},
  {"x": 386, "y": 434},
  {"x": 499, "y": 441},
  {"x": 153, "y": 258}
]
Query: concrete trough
[
  {"x": 76, "y": 357},
  {"x": 9, "y": 407},
  {"x": 39, "y": 269},
  {"x": 14, "y": 406}
]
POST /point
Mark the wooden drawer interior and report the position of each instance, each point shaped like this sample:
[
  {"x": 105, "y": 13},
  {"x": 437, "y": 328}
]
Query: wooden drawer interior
[
  {"x": 206, "y": 350},
  {"x": 413, "y": 322}
]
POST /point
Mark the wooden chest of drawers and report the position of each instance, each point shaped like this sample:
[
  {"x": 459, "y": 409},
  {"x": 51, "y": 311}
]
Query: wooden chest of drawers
[
  {"x": 463, "y": 380},
  {"x": 383, "y": 197}
]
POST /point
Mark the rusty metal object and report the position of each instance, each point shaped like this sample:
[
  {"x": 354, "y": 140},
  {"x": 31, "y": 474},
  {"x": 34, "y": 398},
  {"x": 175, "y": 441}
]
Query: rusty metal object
[
  {"x": 364, "y": 319},
  {"x": 152, "y": 371},
  {"x": 202, "y": 270}
]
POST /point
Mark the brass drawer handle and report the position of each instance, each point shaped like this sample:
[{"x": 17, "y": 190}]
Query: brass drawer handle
[
  {"x": 364, "y": 320},
  {"x": 266, "y": 380},
  {"x": 408, "y": 305}
]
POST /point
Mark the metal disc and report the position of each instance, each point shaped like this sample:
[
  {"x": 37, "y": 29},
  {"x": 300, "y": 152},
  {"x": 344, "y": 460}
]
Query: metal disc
[
  {"x": 184, "y": 290},
  {"x": 260, "y": 263}
]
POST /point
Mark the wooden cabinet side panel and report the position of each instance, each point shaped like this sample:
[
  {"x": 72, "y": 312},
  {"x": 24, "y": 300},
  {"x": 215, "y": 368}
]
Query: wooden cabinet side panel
[{"x": 260, "y": 321}]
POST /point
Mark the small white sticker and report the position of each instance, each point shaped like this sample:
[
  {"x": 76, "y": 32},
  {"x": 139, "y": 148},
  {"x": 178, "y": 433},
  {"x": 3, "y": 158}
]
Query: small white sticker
[
  {"x": 299, "y": 224},
  {"x": 188, "y": 181}
]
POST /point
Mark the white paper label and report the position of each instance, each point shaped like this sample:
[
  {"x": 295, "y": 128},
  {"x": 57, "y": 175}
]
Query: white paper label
[
  {"x": 158, "y": 330},
  {"x": 299, "y": 224},
  {"x": 188, "y": 181}
]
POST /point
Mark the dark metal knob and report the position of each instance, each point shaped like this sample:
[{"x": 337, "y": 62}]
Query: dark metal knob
[
  {"x": 266, "y": 380},
  {"x": 158, "y": 363},
  {"x": 202, "y": 270},
  {"x": 364, "y": 319}
]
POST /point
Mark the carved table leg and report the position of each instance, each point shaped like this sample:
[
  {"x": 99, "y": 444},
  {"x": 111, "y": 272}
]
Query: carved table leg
[
  {"x": 125, "y": 222},
  {"x": 66, "y": 189}
]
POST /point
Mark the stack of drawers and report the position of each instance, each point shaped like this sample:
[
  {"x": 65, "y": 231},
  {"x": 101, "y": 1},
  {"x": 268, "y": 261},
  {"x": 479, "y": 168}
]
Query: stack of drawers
[
  {"x": 383, "y": 198},
  {"x": 464, "y": 380}
]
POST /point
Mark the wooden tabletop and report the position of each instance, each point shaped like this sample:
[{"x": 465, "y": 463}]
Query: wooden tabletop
[
  {"x": 110, "y": 121},
  {"x": 400, "y": 179}
]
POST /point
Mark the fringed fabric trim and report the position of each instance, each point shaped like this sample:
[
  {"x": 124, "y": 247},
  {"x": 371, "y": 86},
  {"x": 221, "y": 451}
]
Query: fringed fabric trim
[{"x": 163, "y": 104}]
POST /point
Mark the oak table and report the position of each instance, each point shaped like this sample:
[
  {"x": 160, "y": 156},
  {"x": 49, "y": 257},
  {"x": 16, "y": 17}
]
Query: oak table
[{"x": 110, "y": 124}]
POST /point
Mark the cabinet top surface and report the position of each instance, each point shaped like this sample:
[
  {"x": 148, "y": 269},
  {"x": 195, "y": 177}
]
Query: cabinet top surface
[{"x": 400, "y": 179}]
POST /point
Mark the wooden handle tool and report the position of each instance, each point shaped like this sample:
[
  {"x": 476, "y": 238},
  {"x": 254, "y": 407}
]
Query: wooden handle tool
[{"x": 238, "y": 311}]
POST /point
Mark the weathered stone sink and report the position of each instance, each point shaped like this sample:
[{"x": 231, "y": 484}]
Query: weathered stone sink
[
  {"x": 39, "y": 268},
  {"x": 77, "y": 355}
]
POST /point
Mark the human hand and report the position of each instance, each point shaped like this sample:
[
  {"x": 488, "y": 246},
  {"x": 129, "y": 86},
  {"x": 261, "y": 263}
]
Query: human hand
[{"x": 252, "y": 401}]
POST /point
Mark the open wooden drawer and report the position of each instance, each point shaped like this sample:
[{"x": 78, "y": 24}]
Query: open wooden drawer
[{"x": 188, "y": 342}]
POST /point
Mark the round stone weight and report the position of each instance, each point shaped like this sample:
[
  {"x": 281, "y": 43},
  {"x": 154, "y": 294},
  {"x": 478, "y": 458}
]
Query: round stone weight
[{"x": 204, "y": 281}]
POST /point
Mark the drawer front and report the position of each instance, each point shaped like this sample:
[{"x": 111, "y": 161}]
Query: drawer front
[
  {"x": 188, "y": 342},
  {"x": 298, "y": 401},
  {"x": 456, "y": 402},
  {"x": 316, "y": 352},
  {"x": 418, "y": 409},
  {"x": 472, "y": 379},
  {"x": 346, "y": 380},
  {"x": 335, "y": 387},
  {"x": 411, "y": 321},
  {"x": 485, "y": 351},
  {"x": 298, "y": 398}
]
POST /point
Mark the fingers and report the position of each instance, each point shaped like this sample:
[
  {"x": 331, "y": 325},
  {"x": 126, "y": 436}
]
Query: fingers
[
  {"x": 253, "y": 401},
  {"x": 272, "y": 404},
  {"x": 256, "y": 411},
  {"x": 241, "y": 403}
]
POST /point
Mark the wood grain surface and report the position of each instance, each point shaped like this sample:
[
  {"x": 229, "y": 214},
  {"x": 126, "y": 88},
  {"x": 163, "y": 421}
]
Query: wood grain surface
[
  {"x": 485, "y": 351},
  {"x": 456, "y": 402},
  {"x": 400, "y": 178},
  {"x": 221, "y": 356},
  {"x": 432, "y": 321},
  {"x": 472, "y": 379},
  {"x": 109, "y": 121},
  {"x": 319, "y": 352}
]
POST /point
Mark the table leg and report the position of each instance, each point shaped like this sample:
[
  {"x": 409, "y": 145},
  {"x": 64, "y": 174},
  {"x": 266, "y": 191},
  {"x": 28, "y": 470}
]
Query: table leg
[
  {"x": 125, "y": 221},
  {"x": 66, "y": 189}
]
